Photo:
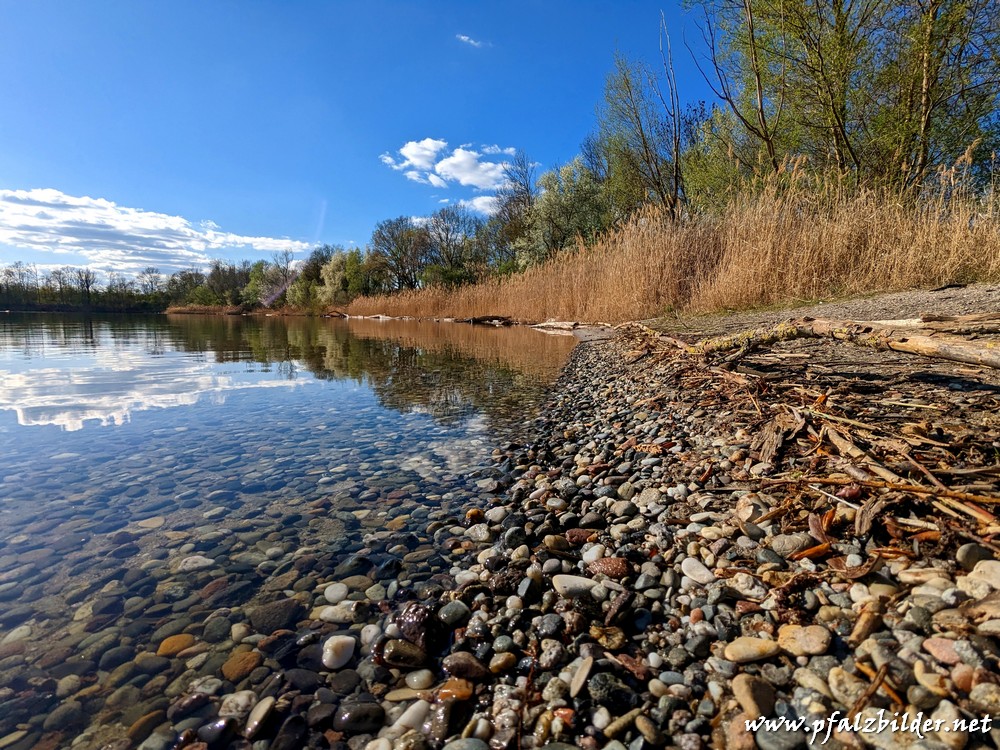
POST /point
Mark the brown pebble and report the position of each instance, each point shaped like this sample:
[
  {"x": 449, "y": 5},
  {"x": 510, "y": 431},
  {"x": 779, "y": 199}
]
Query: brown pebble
[
  {"x": 175, "y": 644},
  {"x": 240, "y": 664},
  {"x": 697, "y": 615},
  {"x": 961, "y": 675},
  {"x": 650, "y": 732},
  {"x": 612, "y": 567},
  {"x": 622, "y": 723},
  {"x": 465, "y": 665},
  {"x": 502, "y": 662},
  {"x": 579, "y": 536},
  {"x": 144, "y": 725}
]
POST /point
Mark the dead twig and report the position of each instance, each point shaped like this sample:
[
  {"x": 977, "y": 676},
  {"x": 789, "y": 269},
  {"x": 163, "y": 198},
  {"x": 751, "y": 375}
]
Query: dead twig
[{"x": 914, "y": 488}]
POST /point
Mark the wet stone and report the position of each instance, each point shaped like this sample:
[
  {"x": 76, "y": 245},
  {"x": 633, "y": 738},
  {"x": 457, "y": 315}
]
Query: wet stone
[
  {"x": 465, "y": 665},
  {"x": 357, "y": 717},
  {"x": 241, "y": 664}
]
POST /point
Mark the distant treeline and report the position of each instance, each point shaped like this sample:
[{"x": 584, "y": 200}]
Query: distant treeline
[{"x": 818, "y": 106}]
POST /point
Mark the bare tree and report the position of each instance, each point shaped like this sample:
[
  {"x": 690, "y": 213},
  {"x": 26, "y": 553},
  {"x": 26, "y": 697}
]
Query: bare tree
[
  {"x": 86, "y": 280},
  {"x": 764, "y": 120}
]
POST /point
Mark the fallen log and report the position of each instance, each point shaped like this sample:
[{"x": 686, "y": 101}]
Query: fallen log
[{"x": 985, "y": 353}]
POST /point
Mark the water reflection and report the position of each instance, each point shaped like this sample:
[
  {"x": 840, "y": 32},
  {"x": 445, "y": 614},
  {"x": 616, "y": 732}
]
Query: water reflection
[{"x": 75, "y": 371}]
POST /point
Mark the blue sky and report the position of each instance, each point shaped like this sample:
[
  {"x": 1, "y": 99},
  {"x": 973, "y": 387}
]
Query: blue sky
[{"x": 168, "y": 133}]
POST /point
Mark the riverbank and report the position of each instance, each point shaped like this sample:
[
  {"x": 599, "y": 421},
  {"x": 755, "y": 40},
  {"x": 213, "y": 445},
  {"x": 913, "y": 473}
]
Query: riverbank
[{"x": 683, "y": 546}]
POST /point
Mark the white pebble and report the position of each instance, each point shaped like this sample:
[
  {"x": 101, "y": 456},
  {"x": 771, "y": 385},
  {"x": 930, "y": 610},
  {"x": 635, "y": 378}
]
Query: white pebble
[
  {"x": 337, "y": 651},
  {"x": 420, "y": 679},
  {"x": 414, "y": 716},
  {"x": 335, "y": 593},
  {"x": 601, "y": 718}
]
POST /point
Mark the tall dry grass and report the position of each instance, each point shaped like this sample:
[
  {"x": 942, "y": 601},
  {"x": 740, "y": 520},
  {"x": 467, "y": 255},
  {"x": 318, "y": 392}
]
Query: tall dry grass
[{"x": 786, "y": 242}]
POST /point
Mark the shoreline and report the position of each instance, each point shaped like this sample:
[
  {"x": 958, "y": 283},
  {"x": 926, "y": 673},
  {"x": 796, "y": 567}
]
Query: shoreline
[{"x": 664, "y": 561}]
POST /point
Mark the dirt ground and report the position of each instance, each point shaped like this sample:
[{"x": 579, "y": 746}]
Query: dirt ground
[{"x": 966, "y": 300}]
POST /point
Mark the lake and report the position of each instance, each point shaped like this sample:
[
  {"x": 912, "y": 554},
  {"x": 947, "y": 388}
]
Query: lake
[{"x": 157, "y": 470}]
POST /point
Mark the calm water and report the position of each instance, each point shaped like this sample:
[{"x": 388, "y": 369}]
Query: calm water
[{"x": 129, "y": 443}]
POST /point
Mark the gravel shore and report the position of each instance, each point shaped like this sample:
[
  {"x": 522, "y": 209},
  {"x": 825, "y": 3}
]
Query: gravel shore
[{"x": 683, "y": 547}]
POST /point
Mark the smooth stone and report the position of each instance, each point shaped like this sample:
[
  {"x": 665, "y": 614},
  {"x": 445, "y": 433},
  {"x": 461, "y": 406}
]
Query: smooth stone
[
  {"x": 194, "y": 563},
  {"x": 291, "y": 734},
  {"x": 397, "y": 653},
  {"x": 335, "y": 593},
  {"x": 142, "y": 727},
  {"x": 454, "y": 614},
  {"x": 572, "y": 586},
  {"x": 580, "y": 676},
  {"x": 942, "y": 649},
  {"x": 175, "y": 644},
  {"x": 258, "y": 715},
  {"x": 358, "y": 717},
  {"x": 465, "y": 665},
  {"x": 67, "y": 715},
  {"x": 152, "y": 523},
  {"x": 746, "y": 649},
  {"x": 755, "y": 696},
  {"x": 413, "y": 717},
  {"x": 787, "y": 545},
  {"x": 277, "y": 615},
  {"x": 970, "y": 554},
  {"x": 695, "y": 569},
  {"x": 338, "y": 651},
  {"x": 420, "y": 679},
  {"x": 241, "y": 664},
  {"x": 988, "y": 572},
  {"x": 808, "y": 640}
]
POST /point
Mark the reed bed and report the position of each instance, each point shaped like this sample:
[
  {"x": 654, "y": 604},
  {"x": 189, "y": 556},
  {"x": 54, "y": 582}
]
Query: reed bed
[{"x": 784, "y": 243}]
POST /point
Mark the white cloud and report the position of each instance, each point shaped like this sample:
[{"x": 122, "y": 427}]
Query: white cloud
[
  {"x": 419, "y": 155},
  {"x": 116, "y": 238},
  {"x": 432, "y": 162},
  {"x": 483, "y": 204},
  {"x": 469, "y": 40},
  {"x": 466, "y": 167}
]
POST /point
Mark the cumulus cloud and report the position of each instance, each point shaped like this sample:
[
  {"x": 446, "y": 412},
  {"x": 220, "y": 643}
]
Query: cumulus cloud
[
  {"x": 416, "y": 155},
  {"x": 431, "y": 162},
  {"x": 465, "y": 39},
  {"x": 117, "y": 238},
  {"x": 483, "y": 204},
  {"x": 466, "y": 167}
]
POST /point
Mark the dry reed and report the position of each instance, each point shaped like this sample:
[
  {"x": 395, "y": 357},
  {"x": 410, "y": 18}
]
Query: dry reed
[{"x": 781, "y": 244}]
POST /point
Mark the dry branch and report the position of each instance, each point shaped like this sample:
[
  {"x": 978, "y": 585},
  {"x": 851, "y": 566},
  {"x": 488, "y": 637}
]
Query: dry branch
[{"x": 861, "y": 333}]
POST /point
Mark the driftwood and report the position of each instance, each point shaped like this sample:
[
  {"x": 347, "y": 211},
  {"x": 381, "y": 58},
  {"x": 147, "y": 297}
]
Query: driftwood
[{"x": 880, "y": 335}]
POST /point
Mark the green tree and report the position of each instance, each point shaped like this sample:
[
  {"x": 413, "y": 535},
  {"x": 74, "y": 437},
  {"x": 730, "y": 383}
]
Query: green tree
[
  {"x": 885, "y": 92},
  {"x": 571, "y": 205}
]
